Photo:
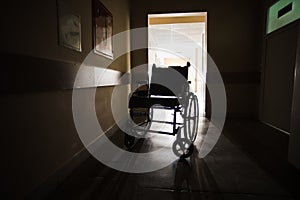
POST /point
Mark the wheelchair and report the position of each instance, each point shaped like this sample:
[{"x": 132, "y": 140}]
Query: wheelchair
[{"x": 168, "y": 89}]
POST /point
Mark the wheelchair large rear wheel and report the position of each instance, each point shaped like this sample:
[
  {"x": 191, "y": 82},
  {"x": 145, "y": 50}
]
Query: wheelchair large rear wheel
[
  {"x": 191, "y": 117},
  {"x": 140, "y": 122}
]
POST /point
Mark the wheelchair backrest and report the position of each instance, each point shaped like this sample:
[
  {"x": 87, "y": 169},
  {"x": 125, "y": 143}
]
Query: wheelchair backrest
[{"x": 174, "y": 77}]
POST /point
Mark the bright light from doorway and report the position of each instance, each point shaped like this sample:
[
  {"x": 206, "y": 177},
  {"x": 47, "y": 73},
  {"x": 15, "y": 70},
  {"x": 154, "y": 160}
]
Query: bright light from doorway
[{"x": 186, "y": 35}]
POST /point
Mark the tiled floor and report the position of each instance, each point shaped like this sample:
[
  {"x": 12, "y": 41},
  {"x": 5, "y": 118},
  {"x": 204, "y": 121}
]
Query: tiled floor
[{"x": 225, "y": 173}]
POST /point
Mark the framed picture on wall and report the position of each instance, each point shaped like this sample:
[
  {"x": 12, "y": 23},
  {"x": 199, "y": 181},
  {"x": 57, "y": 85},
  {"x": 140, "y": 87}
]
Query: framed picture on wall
[
  {"x": 102, "y": 30},
  {"x": 69, "y": 28}
]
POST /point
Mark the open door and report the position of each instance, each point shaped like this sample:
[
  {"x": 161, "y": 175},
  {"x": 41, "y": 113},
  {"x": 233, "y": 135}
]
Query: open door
[{"x": 178, "y": 38}]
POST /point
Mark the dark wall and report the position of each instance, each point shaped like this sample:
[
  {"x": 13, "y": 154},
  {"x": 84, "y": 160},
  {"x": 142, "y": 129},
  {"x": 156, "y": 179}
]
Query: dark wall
[
  {"x": 278, "y": 66},
  {"x": 279, "y": 97},
  {"x": 38, "y": 135},
  {"x": 233, "y": 43},
  {"x": 281, "y": 47},
  {"x": 294, "y": 147}
]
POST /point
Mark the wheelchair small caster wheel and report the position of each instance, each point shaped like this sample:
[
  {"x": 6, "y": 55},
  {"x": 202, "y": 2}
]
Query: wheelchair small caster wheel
[
  {"x": 129, "y": 141},
  {"x": 183, "y": 148}
]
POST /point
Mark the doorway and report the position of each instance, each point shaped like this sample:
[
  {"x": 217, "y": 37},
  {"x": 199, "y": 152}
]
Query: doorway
[{"x": 177, "y": 38}]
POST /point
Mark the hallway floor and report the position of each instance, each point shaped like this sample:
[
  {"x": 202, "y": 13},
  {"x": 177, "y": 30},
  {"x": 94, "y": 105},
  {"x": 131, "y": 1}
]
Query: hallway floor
[{"x": 225, "y": 173}]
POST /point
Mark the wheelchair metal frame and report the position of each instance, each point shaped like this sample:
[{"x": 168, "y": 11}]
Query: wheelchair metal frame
[{"x": 185, "y": 104}]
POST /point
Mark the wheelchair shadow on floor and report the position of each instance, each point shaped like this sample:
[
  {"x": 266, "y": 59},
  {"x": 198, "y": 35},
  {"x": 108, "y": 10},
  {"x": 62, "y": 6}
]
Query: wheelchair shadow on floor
[{"x": 194, "y": 180}]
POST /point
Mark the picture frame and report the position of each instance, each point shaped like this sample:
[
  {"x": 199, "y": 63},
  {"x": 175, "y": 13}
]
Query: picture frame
[
  {"x": 69, "y": 28},
  {"x": 102, "y": 30}
]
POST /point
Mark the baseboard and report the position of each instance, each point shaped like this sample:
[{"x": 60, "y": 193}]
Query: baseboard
[{"x": 54, "y": 180}]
